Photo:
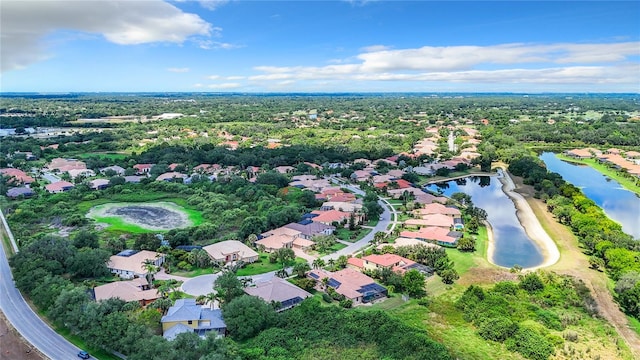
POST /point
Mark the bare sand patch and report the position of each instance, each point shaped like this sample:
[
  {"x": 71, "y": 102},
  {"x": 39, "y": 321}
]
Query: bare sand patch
[{"x": 150, "y": 216}]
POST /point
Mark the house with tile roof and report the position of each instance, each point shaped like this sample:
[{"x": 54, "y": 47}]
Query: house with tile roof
[
  {"x": 16, "y": 176},
  {"x": 99, "y": 184},
  {"x": 436, "y": 208},
  {"x": 350, "y": 283},
  {"x": 282, "y": 237},
  {"x": 231, "y": 251},
  {"x": 395, "y": 263},
  {"x": 439, "y": 220},
  {"x": 331, "y": 216},
  {"x": 142, "y": 168},
  {"x": 133, "y": 290},
  {"x": 59, "y": 186},
  {"x": 437, "y": 235},
  {"x": 279, "y": 291},
  {"x": 187, "y": 316},
  {"x": 171, "y": 176},
  {"x": 341, "y": 206},
  {"x": 129, "y": 264}
]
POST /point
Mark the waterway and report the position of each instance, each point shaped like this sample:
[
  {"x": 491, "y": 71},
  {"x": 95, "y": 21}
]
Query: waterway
[
  {"x": 512, "y": 246},
  {"x": 619, "y": 204}
]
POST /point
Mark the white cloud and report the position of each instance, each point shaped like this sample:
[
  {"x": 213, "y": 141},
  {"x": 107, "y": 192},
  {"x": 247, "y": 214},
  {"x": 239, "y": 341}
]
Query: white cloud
[
  {"x": 26, "y": 23},
  {"x": 178, "y": 70},
  {"x": 213, "y": 77},
  {"x": 225, "y": 86},
  {"x": 612, "y": 63},
  {"x": 211, "y": 45},
  {"x": 235, "y": 78},
  {"x": 373, "y": 48},
  {"x": 212, "y": 4}
]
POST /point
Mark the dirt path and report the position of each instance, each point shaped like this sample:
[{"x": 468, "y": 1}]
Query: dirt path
[
  {"x": 13, "y": 346},
  {"x": 574, "y": 263}
]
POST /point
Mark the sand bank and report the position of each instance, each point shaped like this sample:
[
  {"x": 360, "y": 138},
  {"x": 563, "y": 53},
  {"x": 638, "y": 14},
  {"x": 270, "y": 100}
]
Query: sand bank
[
  {"x": 529, "y": 222},
  {"x": 150, "y": 216}
]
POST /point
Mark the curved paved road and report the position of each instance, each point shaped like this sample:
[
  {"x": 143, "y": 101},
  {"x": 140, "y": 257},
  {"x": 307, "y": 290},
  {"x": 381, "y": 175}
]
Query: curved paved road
[{"x": 27, "y": 322}]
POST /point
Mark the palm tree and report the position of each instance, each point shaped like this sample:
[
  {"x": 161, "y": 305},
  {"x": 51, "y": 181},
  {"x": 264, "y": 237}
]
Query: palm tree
[
  {"x": 210, "y": 298},
  {"x": 301, "y": 268},
  {"x": 332, "y": 263},
  {"x": 151, "y": 269},
  {"x": 318, "y": 263},
  {"x": 251, "y": 240}
]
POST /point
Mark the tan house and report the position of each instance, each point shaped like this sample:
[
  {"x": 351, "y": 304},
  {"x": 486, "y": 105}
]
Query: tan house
[
  {"x": 436, "y": 208},
  {"x": 230, "y": 251},
  {"x": 280, "y": 291},
  {"x": 134, "y": 290},
  {"x": 341, "y": 206},
  {"x": 352, "y": 284},
  {"x": 129, "y": 264},
  {"x": 387, "y": 261},
  {"x": 282, "y": 237}
]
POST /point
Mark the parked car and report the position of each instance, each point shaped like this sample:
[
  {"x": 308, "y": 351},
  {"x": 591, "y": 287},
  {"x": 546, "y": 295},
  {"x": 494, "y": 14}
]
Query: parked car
[{"x": 83, "y": 355}]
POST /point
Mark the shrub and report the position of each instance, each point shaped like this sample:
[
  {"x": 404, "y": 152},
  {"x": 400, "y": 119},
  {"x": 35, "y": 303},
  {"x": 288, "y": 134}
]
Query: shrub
[
  {"x": 531, "y": 282},
  {"x": 570, "y": 335},
  {"x": 346, "y": 303},
  {"x": 530, "y": 343},
  {"x": 497, "y": 329},
  {"x": 327, "y": 298}
]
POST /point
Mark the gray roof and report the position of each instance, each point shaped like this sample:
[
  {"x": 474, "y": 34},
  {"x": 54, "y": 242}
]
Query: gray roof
[
  {"x": 277, "y": 289},
  {"x": 311, "y": 229},
  {"x": 215, "y": 318},
  {"x": 183, "y": 310},
  {"x": 187, "y": 309},
  {"x": 175, "y": 330},
  {"x": 15, "y": 192}
]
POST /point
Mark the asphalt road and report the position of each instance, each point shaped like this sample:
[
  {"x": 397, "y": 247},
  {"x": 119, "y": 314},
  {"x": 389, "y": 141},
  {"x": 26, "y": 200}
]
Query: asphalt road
[{"x": 28, "y": 324}]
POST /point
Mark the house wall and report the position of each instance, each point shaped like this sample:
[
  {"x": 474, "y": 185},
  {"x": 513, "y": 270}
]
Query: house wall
[{"x": 169, "y": 324}]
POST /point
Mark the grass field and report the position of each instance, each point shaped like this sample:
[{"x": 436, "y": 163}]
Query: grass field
[
  {"x": 625, "y": 181},
  {"x": 194, "y": 273},
  {"x": 345, "y": 234}
]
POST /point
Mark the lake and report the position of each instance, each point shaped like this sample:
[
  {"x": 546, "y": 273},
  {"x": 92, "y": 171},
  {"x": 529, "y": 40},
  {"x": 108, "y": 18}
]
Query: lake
[
  {"x": 618, "y": 203},
  {"x": 512, "y": 246}
]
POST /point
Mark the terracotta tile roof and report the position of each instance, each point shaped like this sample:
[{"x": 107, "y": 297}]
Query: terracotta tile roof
[
  {"x": 386, "y": 260},
  {"x": 18, "y": 175},
  {"x": 330, "y": 216},
  {"x": 126, "y": 291},
  {"x": 59, "y": 186}
]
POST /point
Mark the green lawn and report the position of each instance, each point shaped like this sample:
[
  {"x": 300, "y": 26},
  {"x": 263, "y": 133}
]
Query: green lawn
[
  {"x": 263, "y": 266},
  {"x": 626, "y": 182},
  {"x": 332, "y": 249},
  {"x": 345, "y": 234},
  {"x": 194, "y": 273},
  {"x": 373, "y": 222},
  {"x": 465, "y": 260}
]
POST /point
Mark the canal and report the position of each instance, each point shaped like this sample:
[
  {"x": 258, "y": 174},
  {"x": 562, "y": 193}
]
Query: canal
[{"x": 619, "y": 204}]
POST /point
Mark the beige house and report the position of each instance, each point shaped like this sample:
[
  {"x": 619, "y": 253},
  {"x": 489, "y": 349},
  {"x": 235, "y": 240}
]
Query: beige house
[
  {"x": 134, "y": 290},
  {"x": 279, "y": 238},
  {"x": 230, "y": 251},
  {"x": 129, "y": 264}
]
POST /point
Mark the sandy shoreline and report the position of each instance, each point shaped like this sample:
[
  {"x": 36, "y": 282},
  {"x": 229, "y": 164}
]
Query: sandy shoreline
[{"x": 531, "y": 225}]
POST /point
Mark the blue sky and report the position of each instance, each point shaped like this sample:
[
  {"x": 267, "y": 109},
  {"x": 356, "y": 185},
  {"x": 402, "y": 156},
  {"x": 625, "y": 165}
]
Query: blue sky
[{"x": 319, "y": 46}]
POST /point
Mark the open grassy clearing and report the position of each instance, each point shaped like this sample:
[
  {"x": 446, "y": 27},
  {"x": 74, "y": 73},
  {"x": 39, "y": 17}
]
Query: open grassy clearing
[{"x": 626, "y": 182}]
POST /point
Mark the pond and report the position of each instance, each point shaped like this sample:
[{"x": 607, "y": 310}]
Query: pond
[
  {"x": 512, "y": 246},
  {"x": 149, "y": 216},
  {"x": 618, "y": 203}
]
